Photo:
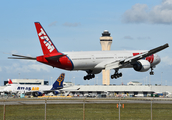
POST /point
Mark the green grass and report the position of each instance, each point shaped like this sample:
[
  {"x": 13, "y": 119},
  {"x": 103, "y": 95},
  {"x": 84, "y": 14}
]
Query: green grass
[{"x": 92, "y": 112}]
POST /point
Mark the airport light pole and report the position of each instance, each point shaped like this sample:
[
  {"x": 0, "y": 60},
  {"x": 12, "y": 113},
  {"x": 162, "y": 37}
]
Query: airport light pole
[
  {"x": 166, "y": 82},
  {"x": 161, "y": 78},
  {"x": 74, "y": 80},
  {"x": 19, "y": 75},
  {"x": 51, "y": 80},
  {"x": 97, "y": 80}
]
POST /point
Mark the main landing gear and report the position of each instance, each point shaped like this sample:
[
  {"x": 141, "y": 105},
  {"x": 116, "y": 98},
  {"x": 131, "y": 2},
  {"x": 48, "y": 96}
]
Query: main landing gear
[
  {"x": 151, "y": 72},
  {"x": 89, "y": 76},
  {"x": 116, "y": 74}
]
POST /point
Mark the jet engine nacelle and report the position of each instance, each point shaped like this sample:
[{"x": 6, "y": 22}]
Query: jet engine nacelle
[
  {"x": 36, "y": 94},
  {"x": 55, "y": 92},
  {"x": 141, "y": 66}
]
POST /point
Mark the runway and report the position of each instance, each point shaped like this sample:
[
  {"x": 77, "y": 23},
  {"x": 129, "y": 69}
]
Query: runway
[{"x": 80, "y": 101}]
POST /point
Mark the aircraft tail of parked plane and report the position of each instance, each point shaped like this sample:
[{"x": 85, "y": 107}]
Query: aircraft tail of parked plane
[
  {"x": 59, "y": 82},
  {"x": 9, "y": 81}
]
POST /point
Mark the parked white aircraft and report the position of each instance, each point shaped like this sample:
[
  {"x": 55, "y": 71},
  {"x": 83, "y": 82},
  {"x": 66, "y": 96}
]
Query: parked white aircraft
[
  {"x": 168, "y": 94},
  {"x": 93, "y": 62},
  {"x": 36, "y": 90}
]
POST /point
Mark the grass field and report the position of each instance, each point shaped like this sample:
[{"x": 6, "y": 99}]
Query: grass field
[{"x": 92, "y": 112}]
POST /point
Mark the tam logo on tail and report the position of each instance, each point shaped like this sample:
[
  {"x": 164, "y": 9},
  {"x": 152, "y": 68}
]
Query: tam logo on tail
[{"x": 47, "y": 41}]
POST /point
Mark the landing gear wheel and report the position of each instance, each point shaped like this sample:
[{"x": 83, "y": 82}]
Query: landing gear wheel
[
  {"x": 120, "y": 74},
  {"x": 93, "y": 76},
  {"x": 116, "y": 74},
  {"x": 112, "y": 76},
  {"x": 151, "y": 72},
  {"x": 89, "y": 76}
]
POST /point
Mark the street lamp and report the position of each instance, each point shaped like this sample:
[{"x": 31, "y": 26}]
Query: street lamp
[
  {"x": 51, "y": 80},
  {"x": 161, "y": 78},
  {"x": 74, "y": 80}
]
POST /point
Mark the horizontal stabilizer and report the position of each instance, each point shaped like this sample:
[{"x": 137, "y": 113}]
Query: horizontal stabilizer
[
  {"x": 22, "y": 57},
  {"x": 55, "y": 58}
]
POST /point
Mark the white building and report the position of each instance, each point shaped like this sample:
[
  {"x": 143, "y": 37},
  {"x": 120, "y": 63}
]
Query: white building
[
  {"x": 120, "y": 89},
  {"x": 28, "y": 81},
  {"x": 134, "y": 83}
]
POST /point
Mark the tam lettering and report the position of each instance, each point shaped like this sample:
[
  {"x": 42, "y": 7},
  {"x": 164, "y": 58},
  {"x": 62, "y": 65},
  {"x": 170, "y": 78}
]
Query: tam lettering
[{"x": 46, "y": 41}]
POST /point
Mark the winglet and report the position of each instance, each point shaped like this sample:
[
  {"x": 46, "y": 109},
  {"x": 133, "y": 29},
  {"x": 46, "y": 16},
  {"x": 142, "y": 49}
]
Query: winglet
[{"x": 59, "y": 82}]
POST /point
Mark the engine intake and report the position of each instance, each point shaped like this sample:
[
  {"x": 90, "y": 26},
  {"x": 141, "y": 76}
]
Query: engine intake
[
  {"x": 141, "y": 66},
  {"x": 55, "y": 92},
  {"x": 36, "y": 94}
]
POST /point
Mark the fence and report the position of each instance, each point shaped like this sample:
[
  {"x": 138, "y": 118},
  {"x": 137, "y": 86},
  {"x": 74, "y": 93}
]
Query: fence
[{"x": 86, "y": 109}]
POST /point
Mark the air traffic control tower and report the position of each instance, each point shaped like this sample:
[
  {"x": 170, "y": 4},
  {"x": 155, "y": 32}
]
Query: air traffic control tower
[{"x": 106, "y": 41}]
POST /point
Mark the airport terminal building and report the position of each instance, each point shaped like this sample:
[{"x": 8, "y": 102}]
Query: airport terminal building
[
  {"x": 120, "y": 89},
  {"x": 133, "y": 88}
]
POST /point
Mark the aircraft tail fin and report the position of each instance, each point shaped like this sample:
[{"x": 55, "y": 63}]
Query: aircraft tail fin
[
  {"x": 9, "y": 81},
  {"x": 46, "y": 43},
  {"x": 59, "y": 82}
]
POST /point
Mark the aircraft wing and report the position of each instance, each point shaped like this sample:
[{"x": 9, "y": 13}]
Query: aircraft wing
[{"x": 132, "y": 59}]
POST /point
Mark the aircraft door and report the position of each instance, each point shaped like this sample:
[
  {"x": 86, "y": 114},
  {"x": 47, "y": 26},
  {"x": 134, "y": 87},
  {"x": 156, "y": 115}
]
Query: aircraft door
[{"x": 93, "y": 58}]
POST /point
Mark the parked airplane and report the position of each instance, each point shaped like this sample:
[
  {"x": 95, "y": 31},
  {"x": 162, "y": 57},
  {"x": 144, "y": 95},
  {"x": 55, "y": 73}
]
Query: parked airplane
[
  {"x": 93, "y": 62},
  {"x": 36, "y": 90},
  {"x": 1, "y": 90},
  {"x": 168, "y": 94}
]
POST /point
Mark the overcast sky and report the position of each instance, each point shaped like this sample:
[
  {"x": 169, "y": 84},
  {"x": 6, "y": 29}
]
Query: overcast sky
[{"x": 77, "y": 26}]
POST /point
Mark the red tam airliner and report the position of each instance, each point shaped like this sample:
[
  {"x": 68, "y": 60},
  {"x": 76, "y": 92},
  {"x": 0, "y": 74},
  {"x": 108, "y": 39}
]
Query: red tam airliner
[{"x": 93, "y": 62}]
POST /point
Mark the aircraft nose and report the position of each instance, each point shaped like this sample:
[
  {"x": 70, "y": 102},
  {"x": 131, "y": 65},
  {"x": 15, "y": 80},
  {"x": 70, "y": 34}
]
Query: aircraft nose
[{"x": 157, "y": 59}]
